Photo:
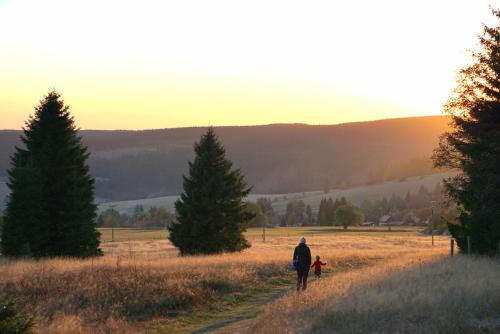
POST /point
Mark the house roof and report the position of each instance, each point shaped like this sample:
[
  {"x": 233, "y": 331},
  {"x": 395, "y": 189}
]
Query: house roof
[{"x": 385, "y": 218}]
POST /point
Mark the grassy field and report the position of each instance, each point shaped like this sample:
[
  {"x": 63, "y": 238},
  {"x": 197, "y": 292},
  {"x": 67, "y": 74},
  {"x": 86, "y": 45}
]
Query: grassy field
[
  {"x": 422, "y": 292},
  {"x": 143, "y": 286},
  {"x": 355, "y": 195},
  {"x": 134, "y": 234},
  {"x": 375, "y": 282}
]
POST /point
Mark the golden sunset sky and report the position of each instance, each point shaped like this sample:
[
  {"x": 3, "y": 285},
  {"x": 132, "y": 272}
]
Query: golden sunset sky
[{"x": 157, "y": 64}]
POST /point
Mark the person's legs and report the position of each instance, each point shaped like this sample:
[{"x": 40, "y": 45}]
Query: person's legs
[
  {"x": 299, "y": 278},
  {"x": 304, "y": 278}
]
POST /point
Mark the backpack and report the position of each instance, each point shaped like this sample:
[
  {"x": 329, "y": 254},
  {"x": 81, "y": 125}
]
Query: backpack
[{"x": 295, "y": 263}]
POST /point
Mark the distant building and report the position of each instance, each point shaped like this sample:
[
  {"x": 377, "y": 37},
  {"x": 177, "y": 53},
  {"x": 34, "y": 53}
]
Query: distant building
[
  {"x": 388, "y": 220},
  {"x": 384, "y": 220},
  {"x": 369, "y": 223}
]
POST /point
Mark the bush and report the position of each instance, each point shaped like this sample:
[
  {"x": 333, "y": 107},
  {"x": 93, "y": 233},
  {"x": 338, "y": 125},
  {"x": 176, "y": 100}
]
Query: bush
[{"x": 11, "y": 321}]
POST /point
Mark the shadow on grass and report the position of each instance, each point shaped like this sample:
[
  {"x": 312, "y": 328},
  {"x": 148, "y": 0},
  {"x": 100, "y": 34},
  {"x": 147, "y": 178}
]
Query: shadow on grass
[{"x": 453, "y": 295}]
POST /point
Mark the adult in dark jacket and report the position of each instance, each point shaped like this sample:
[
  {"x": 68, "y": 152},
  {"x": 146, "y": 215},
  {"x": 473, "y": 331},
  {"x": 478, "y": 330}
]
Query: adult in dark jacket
[{"x": 302, "y": 256}]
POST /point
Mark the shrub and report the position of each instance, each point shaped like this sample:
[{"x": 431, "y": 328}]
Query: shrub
[{"x": 13, "y": 322}]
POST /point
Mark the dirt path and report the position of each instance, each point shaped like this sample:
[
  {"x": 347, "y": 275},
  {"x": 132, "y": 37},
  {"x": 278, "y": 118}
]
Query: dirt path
[{"x": 242, "y": 315}]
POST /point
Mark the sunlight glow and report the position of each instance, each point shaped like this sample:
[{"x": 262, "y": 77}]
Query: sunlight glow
[{"x": 153, "y": 64}]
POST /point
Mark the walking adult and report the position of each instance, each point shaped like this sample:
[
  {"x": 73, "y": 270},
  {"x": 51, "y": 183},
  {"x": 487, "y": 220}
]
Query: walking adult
[{"x": 302, "y": 259}]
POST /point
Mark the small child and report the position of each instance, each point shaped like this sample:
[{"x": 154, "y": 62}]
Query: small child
[{"x": 317, "y": 267}]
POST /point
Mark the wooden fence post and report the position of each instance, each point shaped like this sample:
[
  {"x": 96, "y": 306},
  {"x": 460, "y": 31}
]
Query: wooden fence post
[
  {"x": 468, "y": 246},
  {"x": 452, "y": 246},
  {"x": 432, "y": 237}
]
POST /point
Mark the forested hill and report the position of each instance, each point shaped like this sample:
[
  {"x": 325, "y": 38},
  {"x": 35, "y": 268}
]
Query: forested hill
[{"x": 276, "y": 158}]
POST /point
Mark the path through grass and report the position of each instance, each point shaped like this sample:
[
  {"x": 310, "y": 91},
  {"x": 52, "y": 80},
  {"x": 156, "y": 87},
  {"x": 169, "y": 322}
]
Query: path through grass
[
  {"x": 228, "y": 321},
  {"x": 236, "y": 312}
]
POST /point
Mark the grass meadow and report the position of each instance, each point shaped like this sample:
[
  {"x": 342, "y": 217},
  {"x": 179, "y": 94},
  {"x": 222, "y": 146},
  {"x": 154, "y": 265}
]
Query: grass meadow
[
  {"x": 134, "y": 234},
  {"x": 423, "y": 292},
  {"x": 375, "y": 282}
]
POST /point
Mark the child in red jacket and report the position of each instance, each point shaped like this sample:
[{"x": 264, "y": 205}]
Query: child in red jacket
[{"x": 317, "y": 267}]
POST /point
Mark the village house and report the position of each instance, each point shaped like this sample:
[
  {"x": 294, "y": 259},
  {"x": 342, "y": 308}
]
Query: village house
[{"x": 388, "y": 220}]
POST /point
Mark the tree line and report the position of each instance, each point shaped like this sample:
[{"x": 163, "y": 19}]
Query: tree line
[
  {"x": 154, "y": 217},
  {"x": 425, "y": 207}
]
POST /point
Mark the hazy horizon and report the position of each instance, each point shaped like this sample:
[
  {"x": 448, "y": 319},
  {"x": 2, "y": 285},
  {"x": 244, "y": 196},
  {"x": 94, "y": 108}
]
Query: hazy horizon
[{"x": 251, "y": 125}]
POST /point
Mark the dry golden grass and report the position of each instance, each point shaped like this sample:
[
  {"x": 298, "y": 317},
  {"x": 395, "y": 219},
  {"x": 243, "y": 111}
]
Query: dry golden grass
[
  {"x": 457, "y": 295},
  {"x": 420, "y": 292},
  {"x": 137, "y": 282}
]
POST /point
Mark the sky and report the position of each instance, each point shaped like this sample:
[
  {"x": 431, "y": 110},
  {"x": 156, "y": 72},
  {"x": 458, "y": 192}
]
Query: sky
[{"x": 161, "y": 64}]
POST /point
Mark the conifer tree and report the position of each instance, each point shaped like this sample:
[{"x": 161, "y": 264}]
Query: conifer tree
[
  {"x": 50, "y": 210},
  {"x": 473, "y": 147},
  {"x": 309, "y": 215},
  {"x": 210, "y": 212},
  {"x": 330, "y": 211},
  {"x": 322, "y": 220}
]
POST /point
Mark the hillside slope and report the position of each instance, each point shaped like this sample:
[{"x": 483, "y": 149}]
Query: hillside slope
[
  {"x": 355, "y": 195},
  {"x": 278, "y": 158}
]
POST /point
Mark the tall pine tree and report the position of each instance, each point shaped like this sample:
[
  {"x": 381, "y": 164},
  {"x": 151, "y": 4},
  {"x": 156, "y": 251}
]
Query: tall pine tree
[
  {"x": 473, "y": 147},
  {"x": 50, "y": 210},
  {"x": 211, "y": 214},
  {"x": 321, "y": 219}
]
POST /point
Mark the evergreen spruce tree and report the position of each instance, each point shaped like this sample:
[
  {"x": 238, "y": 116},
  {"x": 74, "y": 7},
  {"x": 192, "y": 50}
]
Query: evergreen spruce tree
[
  {"x": 473, "y": 147},
  {"x": 210, "y": 212},
  {"x": 50, "y": 210},
  {"x": 321, "y": 219},
  {"x": 309, "y": 215},
  {"x": 330, "y": 211}
]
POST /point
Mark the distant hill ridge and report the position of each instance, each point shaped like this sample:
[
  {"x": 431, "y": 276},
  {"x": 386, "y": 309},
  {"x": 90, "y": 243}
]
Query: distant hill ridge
[{"x": 275, "y": 158}]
